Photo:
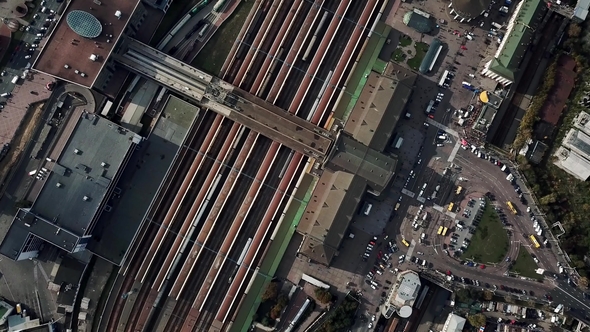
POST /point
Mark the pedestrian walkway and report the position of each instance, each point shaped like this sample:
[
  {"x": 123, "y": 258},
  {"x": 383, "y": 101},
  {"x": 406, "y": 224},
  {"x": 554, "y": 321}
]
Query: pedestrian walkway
[
  {"x": 31, "y": 91},
  {"x": 441, "y": 126}
]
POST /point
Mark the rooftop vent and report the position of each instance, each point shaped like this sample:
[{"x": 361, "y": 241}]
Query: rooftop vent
[
  {"x": 76, "y": 151},
  {"x": 76, "y": 71},
  {"x": 82, "y": 74},
  {"x": 59, "y": 185},
  {"x": 103, "y": 164},
  {"x": 118, "y": 14},
  {"x": 93, "y": 57},
  {"x": 86, "y": 198},
  {"x": 66, "y": 66}
]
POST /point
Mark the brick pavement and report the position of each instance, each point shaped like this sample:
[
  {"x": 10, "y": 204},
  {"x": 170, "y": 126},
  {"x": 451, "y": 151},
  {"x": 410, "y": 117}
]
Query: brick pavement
[
  {"x": 469, "y": 61},
  {"x": 31, "y": 91}
]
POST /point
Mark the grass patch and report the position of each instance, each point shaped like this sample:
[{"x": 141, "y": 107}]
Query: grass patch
[
  {"x": 490, "y": 242},
  {"x": 421, "y": 49},
  {"x": 524, "y": 264},
  {"x": 398, "y": 55},
  {"x": 174, "y": 14},
  {"x": 212, "y": 56},
  {"x": 404, "y": 41}
]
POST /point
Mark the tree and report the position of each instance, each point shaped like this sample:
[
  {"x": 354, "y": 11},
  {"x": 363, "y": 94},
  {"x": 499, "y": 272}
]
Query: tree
[
  {"x": 583, "y": 282},
  {"x": 477, "y": 320},
  {"x": 265, "y": 321},
  {"x": 462, "y": 295},
  {"x": 271, "y": 292},
  {"x": 275, "y": 312},
  {"x": 323, "y": 295},
  {"x": 574, "y": 30},
  {"x": 475, "y": 293},
  {"x": 488, "y": 296},
  {"x": 548, "y": 199}
]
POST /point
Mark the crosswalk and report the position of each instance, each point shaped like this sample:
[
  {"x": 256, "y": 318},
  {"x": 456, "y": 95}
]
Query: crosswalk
[{"x": 451, "y": 132}]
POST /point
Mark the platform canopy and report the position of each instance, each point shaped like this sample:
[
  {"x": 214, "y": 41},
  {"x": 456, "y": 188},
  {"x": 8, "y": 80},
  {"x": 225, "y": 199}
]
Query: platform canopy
[{"x": 84, "y": 24}]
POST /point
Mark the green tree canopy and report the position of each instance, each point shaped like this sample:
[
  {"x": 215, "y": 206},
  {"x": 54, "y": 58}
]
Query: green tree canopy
[{"x": 477, "y": 320}]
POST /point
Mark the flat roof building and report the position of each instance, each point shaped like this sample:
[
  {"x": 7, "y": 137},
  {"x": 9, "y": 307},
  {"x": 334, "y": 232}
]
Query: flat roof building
[
  {"x": 572, "y": 163},
  {"x": 581, "y": 10},
  {"x": 402, "y": 295},
  {"x": 358, "y": 165},
  {"x": 80, "y": 44},
  {"x": 505, "y": 66},
  {"x": 419, "y": 21},
  {"x": 454, "y": 323},
  {"x": 75, "y": 189},
  {"x": 578, "y": 141}
]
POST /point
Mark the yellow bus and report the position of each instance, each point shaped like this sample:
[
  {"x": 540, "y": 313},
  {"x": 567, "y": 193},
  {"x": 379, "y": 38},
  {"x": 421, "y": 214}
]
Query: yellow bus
[
  {"x": 511, "y": 207},
  {"x": 440, "y": 229},
  {"x": 459, "y": 189},
  {"x": 451, "y": 206},
  {"x": 444, "y": 232},
  {"x": 405, "y": 243},
  {"x": 534, "y": 241}
]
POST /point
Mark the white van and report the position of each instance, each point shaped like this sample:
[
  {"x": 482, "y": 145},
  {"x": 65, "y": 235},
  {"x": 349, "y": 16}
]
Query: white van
[
  {"x": 510, "y": 177},
  {"x": 367, "y": 208},
  {"x": 6, "y": 94},
  {"x": 558, "y": 309},
  {"x": 468, "y": 37},
  {"x": 14, "y": 79},
  {"x": 423, "y": 262}
]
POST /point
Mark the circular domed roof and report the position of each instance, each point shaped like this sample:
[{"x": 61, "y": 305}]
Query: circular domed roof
[
  {"x": 470, "y": 9},
  {"x": 84, "y": 24},
  {"x": 405, "y": 311}
]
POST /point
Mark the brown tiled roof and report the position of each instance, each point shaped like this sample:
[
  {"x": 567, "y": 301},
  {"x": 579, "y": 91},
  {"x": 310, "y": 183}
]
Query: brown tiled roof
[
  {"x": 64, "y": 46},
  {"x": 564, "y": 83}
]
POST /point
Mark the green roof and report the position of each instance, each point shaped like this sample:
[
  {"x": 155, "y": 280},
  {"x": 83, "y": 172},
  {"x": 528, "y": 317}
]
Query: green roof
[
  {"x": 519, "y": 38},
  {"x": 418, "y": 22},
  {"x": 430, "y": 56}
]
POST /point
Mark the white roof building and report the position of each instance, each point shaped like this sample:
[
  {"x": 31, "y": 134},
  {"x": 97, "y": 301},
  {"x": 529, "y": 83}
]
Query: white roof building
[
  {"x": 454, "y": 323},
  {"x": 574, "y": 154},
  {"x": 402, "y": 294}
]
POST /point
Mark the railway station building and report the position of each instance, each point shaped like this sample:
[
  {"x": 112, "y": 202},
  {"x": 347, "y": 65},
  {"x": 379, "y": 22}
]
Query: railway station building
[
  {"x": 504, "y": 66},
  {"x": 72, "y": 190},
  {"x": 340, "y": 191}
]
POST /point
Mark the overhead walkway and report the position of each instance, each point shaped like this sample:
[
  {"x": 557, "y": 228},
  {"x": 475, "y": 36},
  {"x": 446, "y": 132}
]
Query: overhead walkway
[{"x": 225, "y": 99}]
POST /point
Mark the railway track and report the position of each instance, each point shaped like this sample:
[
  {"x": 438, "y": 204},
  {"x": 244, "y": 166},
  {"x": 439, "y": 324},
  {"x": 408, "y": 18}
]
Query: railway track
[
  {"x": 163, "y": 201},
  {"x": 240, "y": 217},
  {"x": 267, "y": 39}
]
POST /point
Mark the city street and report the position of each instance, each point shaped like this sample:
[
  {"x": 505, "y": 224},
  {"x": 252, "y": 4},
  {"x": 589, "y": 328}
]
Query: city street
[{"x": 18, "y": 61}]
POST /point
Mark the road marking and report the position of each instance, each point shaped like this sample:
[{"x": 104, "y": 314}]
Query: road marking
[
  {"x": 408, "y": 193},
  {"x": 454, "y": 152},
  {"x": 443, "y": 127},
  {"x": 571, "y": 296}
]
